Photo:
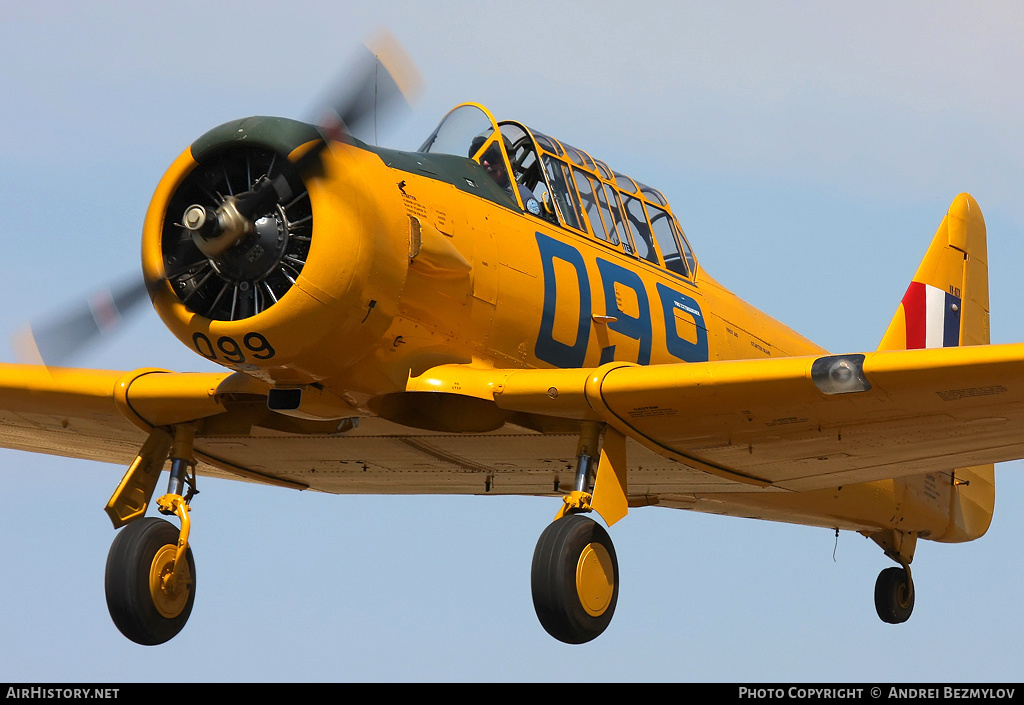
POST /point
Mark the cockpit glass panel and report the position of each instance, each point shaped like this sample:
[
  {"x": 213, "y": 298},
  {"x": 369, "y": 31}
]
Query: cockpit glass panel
[
  {"x": 578, "y": 156},
  {"x": 633, "y": 242},
  {"x": 548, "y": 144},
  {"x": 687, "y": 252},
  {"x": 513, "y": 132},
  {"x": 563, "y": 195},
  {"x": 653, "y": 195},
  {"x": 616, "y": 208},
  {"x": 575, "y": 155},
  {"x": 606, "y": 211},
  {"x": 525, "y": 167},
  {"x": 456, "y": 132},
  {"x": 661, "y": 222},
  {"x": 590, "y": 205},
  {"x": 640, "y": 228},
  {"x": 625, "y": 183},
  {"x": 531, "y": 185}
]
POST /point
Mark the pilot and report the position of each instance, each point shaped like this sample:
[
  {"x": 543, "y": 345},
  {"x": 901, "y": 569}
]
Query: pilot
[{"x": 494, "y": 163}]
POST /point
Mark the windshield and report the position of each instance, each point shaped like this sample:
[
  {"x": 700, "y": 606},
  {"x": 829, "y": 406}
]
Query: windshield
[
  {"x": 470, "y": 131},
  {"x": 456, "y": 132}
]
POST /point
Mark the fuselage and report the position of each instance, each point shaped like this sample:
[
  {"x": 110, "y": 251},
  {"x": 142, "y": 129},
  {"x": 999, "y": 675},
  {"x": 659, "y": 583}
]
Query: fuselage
[
  {"x": 417, "y": 260},
  {"x": 403, "y": 261}
]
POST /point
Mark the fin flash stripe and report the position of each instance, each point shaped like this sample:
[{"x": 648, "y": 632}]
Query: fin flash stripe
[{"x": 933, "y": 317}]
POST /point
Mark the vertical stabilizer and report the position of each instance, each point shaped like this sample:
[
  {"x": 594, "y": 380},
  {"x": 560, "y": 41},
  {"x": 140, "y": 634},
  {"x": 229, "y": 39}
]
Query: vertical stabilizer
[{"x": 947, "y": 305}]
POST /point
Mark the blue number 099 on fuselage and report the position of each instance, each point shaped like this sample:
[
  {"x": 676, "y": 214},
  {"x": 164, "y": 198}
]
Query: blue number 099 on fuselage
[{"x": 630, "y": 312}]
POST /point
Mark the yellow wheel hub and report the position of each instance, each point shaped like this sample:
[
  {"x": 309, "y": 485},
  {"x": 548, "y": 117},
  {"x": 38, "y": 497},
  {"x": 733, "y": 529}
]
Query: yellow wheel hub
[
  {"x": 170, "y": 594},
  {"x": 903, "y": 595},
  {"x": 595, "y": 579}
]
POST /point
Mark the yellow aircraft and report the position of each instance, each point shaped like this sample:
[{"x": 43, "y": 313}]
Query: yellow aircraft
[{"x": 500, "y": 312}]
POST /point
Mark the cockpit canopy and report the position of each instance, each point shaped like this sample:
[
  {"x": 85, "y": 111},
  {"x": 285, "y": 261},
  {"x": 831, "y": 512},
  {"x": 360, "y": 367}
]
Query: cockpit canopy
[{"x": 565, "y": 186}]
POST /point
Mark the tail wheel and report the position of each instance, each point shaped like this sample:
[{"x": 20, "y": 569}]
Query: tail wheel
[
  {"x": 146, "y": 606},
  {"x": 894, "y": 595},
  {"x": 575, "y": 579}
]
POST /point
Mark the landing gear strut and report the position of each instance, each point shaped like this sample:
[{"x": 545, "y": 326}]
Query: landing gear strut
[
  {"x": 894, "y": 588},
  {"x": 150, "y": 575},
  {"x": 575, "y": 574}
]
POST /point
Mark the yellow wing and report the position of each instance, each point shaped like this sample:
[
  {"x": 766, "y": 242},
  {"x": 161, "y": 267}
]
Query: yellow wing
[
  {"x": 757, "y": 423},
  {"x": 768, "y": 423},
  {"x": 750, "y": 433},
  {"x": 107, "y": 415}
]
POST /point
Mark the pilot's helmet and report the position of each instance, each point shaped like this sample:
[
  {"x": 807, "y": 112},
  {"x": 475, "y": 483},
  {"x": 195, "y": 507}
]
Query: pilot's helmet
[
  {"x": 493, "y": 153},
  {"x": 475, "y": 145}
]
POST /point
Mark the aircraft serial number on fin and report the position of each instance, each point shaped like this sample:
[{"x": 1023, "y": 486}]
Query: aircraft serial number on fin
[{"x": 230, "y": 351}]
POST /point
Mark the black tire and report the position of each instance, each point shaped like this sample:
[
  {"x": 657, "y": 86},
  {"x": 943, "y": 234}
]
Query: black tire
[
  {"x": 894, "y": 596},
  {"x": 129, "y": 597},
  {"x": 569, "y": 548}
]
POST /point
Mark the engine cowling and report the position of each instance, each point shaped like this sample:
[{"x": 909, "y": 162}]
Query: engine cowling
[{"x": 310, "y": 287}]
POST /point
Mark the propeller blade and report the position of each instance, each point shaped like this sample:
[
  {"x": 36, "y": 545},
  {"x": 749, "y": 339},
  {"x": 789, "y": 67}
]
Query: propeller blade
[
  {"x": 378, "y": 83},
  {"x": 54, "y": 340}
]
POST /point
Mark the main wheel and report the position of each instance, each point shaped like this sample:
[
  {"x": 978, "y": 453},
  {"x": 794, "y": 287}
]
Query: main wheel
[
  {"x": 145, "y": 605},
  {"x": 575, "y": 579},
  {"x": 894, "y": 596}
]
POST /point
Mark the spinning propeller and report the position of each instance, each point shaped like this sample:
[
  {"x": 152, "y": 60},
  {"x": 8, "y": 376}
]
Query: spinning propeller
[{"x": 380, "y": 80}]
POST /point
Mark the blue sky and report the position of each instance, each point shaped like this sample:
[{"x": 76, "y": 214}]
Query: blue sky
[{"x": 809, "y": 150}]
